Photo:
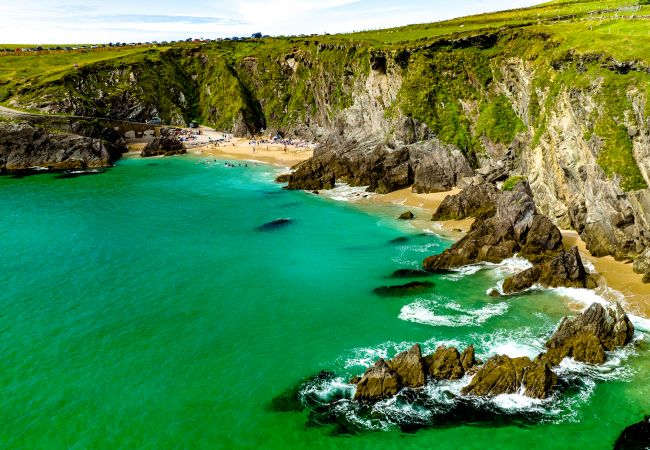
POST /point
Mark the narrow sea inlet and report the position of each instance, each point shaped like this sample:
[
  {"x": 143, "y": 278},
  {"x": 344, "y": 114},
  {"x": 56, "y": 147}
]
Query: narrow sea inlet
[{"x": 145, "y": 308}]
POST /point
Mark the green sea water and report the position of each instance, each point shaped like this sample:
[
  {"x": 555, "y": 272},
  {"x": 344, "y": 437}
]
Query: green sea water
[{"x": 143, "y": 308}]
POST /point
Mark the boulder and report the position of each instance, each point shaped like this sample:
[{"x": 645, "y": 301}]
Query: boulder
[
  {"x": 468, "y": 359},
  {"x": 408, "y": 367},
  {"x": 635, "y": 437},
  {"x": 475, "y": 201},
  {"x": 283, "y": 178},
  {"x": 445, "y": 364},
  {"x": 377, "y": 383},
  {"x": 499, "y": 375},
  {"x": 409, "y": 273},
  {"x": 587, "y": 336},
  {"x": 407, "y": 216},
  {"x": 164, "y": 145},
  {"x": 564, "y": 270},
  {"x": 399, "y": 290}
]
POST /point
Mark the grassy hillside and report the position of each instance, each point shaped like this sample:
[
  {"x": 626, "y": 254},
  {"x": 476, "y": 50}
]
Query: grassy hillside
[{"x": 452, "y": 77}]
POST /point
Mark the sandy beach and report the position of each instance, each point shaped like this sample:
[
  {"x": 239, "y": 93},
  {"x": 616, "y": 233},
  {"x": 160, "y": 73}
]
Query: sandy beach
[{"x": 618, "y": 275}]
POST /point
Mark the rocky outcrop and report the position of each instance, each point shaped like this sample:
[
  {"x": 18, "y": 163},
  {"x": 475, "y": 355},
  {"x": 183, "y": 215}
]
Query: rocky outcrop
[
  {"x": 635, "y": 437},
  {"x": 565, "y": 270},
  {"x": 408, "y": 215},
  {"x": 24, "y": 146},
  {"x": 428, "y": 166},
  {"x": 587, "y": 336},
  {"x": 164, "y": 145},
  {"x": 445, "y": 364},
  {"x": 408, "y": 367},
  {"x": 514, "y": 227},
  {"x": 475, "y": 201},
  {"x": 499, "y": 375}
]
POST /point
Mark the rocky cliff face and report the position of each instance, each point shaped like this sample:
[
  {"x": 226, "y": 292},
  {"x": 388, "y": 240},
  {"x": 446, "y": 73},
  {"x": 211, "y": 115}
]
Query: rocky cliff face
[
  {"x": 24, "y": 146},
  {"x": 454, "y": 111}
]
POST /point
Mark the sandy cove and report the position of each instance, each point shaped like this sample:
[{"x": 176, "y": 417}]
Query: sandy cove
[{"x": 618, "y": 275}]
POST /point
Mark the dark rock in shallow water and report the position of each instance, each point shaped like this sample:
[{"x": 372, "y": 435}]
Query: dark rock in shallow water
[
  {"x": 410, "y": 273},
  {"x": 289, "y": 400},
  {"x": 565, "y": 270},
  {"x": 283, "y": 178},
  {"x": 408, "y": 215},
  {"x": 399, "y": 240},
  {"x": 587, "y": 336},
  {"x": 274, "y": 224},
  {"x": 403, "y": 289},
  {"x": 635, "y": 437}
]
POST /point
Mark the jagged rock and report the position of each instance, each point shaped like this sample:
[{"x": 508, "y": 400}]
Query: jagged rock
[
  {"x": 408, "y": 367},
  {"x": 378, "y": 383},
  {"x": 445, "y": 364},
  {"x": 407, "y": 216},
  {"x": 635, "y": 437},
  {"x": 543, "y": 240},
  {"x": 499, "y": 375},
  {"x": 24, "y": 146},
  {"x": 539, "y": 379},
  {"x": 565, "y": 270},
  {"x": 499, "y": 236},
  {"x": 587, "y": 336},
  {"x": 166, "y": 145},
  {"x": 429, "y": 166},
  {"x": 474, "y": 201},
  {"x": 403, "y": 289},
  {"x": 468, "y": 359}
]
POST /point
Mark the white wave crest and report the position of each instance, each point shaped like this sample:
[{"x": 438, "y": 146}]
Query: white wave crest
[
  {"x": 344, "y": 193},
  {"x": 425, "y": 312}
]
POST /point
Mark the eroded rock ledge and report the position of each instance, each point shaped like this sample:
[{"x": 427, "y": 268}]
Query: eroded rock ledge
[{"x": 584, "y": 338}]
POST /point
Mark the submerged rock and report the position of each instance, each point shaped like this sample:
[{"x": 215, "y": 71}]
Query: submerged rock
[
  {"x": 565, "y": 270},
  {"x": 587, "y": 336},
  {"x": 408, "y": 215},
  {"x": 289, "y": 400},
  {"x": 274, "y": 224},
  {"x": 409, "y": 273},
  {"x": 635, "y": 437},
  {"x": 403, "y": 289},
  {"x": 399, "y": 240}
]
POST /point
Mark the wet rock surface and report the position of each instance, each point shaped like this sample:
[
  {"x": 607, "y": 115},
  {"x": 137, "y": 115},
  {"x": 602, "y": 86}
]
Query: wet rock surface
[
  {"x": 275, "y": 224},
  {"x": 587, "y": 336},
  {"x": 564, "y": 270},
  {"x": 407, "y": 216}
]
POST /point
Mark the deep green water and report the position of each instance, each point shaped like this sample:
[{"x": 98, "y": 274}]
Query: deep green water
[{"x": 141, "y": 308}]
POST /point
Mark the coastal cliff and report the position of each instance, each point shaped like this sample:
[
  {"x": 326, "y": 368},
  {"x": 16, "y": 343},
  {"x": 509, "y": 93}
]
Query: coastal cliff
[{"x": 454, "y": 108}]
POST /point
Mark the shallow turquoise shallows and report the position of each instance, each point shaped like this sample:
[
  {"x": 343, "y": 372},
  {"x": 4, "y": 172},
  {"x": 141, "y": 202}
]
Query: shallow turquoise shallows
[{"x": 143, "y": 308}]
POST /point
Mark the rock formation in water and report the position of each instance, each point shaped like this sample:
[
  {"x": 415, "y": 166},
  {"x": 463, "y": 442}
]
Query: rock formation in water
[
  {"x": 275, "y": 224},
  {"x": 589, "y": 335},
  {"x": 411, "y": 288},
  {"x": 564, "y": 270},
  {"x": 635, "y": 437},
  {"x": 25, "y": 146},
  {"x": 585, "y": 338},
  {"x": 408, "y": 215}
]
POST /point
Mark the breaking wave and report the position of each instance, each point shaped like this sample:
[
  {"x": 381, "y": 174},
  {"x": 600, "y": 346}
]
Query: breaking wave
[{"x": 432, "y": 312}]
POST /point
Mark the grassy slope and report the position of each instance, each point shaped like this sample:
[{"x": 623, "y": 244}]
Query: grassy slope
[{"x": 543, "y": 35}]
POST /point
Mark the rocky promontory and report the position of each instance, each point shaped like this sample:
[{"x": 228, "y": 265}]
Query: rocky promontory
[
  {"x": 25, "y": 146},
  {"x": 164, "y": 145}
]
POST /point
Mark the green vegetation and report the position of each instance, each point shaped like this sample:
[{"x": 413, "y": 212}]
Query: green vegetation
[
  {"x": 511, "y": 182},
  {"x": 453, "y": 77}
]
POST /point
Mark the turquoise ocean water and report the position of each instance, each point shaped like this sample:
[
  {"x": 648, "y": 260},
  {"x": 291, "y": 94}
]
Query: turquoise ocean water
[{"x": 142, "y": 308}]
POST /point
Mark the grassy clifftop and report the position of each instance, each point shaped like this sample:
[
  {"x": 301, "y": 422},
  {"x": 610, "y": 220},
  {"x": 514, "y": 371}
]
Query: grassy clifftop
[{"x": 477, "y": 82}]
